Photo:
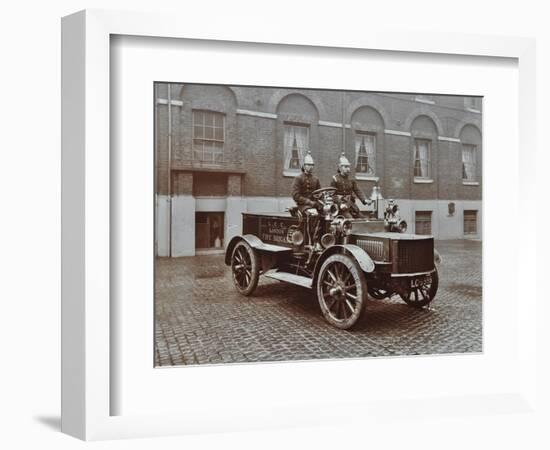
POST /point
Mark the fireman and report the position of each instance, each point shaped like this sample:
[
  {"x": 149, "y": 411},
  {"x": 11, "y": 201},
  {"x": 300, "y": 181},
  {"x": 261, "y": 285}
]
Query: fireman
[
  {"x": 347, "y": 189},
  {"x": 302, "y": 188}
]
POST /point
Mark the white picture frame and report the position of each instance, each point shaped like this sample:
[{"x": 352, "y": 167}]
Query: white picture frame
[{"x": 87, "y": 326}]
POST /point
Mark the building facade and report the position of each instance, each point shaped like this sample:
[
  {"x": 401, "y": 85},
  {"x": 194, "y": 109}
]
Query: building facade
[{"x": 224, "y": 150}]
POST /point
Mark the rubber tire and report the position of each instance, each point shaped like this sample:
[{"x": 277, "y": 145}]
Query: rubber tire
[
  {"x": 361, "y": 290},
  {"x": 431, "y": 292},
  {"x": 243, "y": 249}
]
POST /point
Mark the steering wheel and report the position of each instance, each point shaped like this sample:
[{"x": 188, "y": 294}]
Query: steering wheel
[{"x": 316, "y": 194}]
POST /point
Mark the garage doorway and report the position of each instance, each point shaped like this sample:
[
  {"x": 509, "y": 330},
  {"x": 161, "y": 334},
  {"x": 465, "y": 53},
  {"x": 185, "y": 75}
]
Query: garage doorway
[{"x": 209, "y": 232}]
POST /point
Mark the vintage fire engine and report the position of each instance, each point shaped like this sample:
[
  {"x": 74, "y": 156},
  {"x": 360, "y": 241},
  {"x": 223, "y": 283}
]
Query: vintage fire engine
[{"x": 341, "y": 260}]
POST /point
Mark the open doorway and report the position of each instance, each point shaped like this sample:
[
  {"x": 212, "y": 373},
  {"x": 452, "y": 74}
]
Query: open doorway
[{"x": 209, "y": 231}]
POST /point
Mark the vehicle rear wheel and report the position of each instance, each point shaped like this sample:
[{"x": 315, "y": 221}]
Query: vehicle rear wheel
[
  {"x": 341, "y": 291},
  {"x": 245, "y": 267},
  {"x": 420, "y": 294}
]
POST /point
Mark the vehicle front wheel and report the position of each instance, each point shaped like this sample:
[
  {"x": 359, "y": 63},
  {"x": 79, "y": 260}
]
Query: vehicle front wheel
[
  {"x": 245, "y": 267},
  {"x": 421, "y": 291},
  {"x": 341, "y": 291}
]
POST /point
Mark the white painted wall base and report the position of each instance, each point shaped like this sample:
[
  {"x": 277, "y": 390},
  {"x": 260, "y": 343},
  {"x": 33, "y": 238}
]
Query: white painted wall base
[
  {"x": 444, "y": 225},
  {"x": 233, "y": 217},
  {"x": 162, "y": 228},
  {"x": 262, "y": 204},
  {"x": 183, "y": 226}
]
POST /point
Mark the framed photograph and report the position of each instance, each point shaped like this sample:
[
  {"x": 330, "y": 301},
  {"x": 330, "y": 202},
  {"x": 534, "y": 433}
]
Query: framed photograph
[{"x": 254, "y": 226}]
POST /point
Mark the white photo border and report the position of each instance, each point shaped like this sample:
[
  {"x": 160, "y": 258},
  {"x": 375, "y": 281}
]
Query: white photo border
[
  {"x": 87, "y": 287},
  {"x": 139, "y": 388}
]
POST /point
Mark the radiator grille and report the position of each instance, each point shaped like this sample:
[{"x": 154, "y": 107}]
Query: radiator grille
[
  {"x": 375, "y": 249},
  {"x": 415, "y": 256}
]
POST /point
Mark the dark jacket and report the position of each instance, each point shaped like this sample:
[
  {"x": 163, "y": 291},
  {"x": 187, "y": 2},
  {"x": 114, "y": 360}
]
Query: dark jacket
[
  {"x": 302, "y": 187},
  {"x": 347, "y": 186}
]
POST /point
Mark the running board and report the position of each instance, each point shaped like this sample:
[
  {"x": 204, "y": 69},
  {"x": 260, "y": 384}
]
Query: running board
[{"x": 289, "y": 278}]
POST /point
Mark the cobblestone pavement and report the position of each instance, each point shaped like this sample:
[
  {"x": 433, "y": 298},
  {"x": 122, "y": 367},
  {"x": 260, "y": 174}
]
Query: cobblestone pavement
[{"x": 201, "y": 319}]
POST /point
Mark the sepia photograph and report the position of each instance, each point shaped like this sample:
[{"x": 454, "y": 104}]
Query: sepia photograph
[{"x": 296, "y": 224}]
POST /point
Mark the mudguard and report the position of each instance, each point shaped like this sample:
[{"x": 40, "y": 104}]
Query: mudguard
[
  {"x": 256, "y": 243},
  {"x": 361, "y": 256}
]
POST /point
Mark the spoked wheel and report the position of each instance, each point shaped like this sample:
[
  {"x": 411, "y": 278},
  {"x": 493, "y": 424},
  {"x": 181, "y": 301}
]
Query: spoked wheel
[
  {"x": 341, "y": 291},
  {"x": 245, "y": 268},
  {"x": 378, "y": 293},
  {"x": 421, "y": 291}
]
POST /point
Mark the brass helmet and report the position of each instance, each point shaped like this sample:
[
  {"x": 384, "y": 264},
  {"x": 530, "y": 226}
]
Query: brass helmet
[
  {"x": 343, "y": 161},
  {"x": 308, "y": 159}
]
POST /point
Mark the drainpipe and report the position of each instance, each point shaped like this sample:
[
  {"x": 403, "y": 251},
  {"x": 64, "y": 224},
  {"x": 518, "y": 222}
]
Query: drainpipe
[
  {"x": 343, "y": 124},
  {"x": 170, "y": 169}
]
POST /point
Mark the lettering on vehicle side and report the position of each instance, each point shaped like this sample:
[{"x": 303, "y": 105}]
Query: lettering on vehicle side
[
  {"x": 272, "y": 230},
  {"x": 271, "y": 238}
]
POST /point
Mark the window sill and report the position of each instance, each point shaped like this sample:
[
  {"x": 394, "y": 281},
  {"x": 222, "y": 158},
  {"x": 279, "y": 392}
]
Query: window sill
[
  {"x": 470, "y": 183},
  {"x": 291, "y": 173},
  {"x": 424, "y": 100},
  {"x": 210, "y": 197},
  {"x": 366, "y": 177},
  {"x": 423, "y": 180},
  {"x": 472, "y": 236}
]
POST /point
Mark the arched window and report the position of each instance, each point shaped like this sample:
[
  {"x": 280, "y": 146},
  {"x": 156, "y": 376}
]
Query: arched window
[
  {"x": 368, "y": 128},
  {"x": 471, "y": 149},
  {"x": 424, "y": 135},
  {"x": 469, "y": 157},
  {"x": 422, "y": 158},
  {"x": 365, "y": 153},
  {"x": 296, "y": 145},
  {"x": 297, "y": 117}
]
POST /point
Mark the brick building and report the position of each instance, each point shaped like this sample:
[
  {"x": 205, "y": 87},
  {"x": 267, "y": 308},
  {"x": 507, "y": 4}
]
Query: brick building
[{"x": 232, "y": 149}]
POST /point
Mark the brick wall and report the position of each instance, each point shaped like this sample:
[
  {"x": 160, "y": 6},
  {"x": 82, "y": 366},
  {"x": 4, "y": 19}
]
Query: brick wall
[
  {"x": 207, "y": 184},
  {"x": 255, "y": 144},
  {"x": 234, "y": 185},
  {"x": 182, "y": 183}
]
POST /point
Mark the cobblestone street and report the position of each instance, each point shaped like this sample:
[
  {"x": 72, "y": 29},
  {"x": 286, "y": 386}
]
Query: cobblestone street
[{"x": 201, "y": 319}]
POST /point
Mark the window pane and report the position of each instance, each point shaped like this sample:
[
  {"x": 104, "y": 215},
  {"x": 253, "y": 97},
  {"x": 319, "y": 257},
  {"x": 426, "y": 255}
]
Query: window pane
[
  {"x": 208, "y": 136},
  {"x": 470, "y": 221},
  {"x": 422, "y": 158},
  {"x": 473, "y": 102},
  {"x": 218, "y": 157},
  {"x": 423, "y": 222},
  {"x": 417, "y": 170},
  {"x": 468, "y": 162},
  {"x": 208, "y": 119},
  {"x": 365, "y": 153},
  {"x": 207, "y": 153},
  {"x": 197, "y": 132},
  {"x": 198, "y": 118}
]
